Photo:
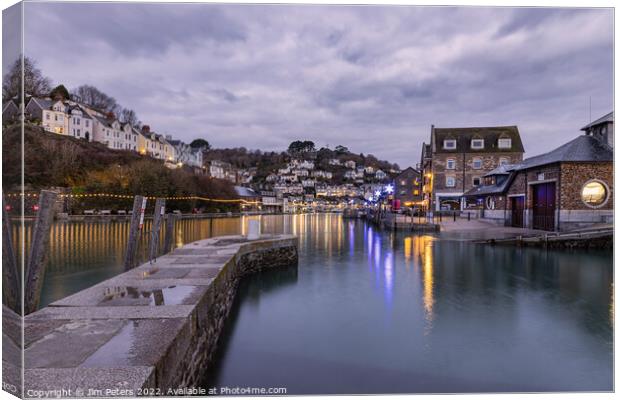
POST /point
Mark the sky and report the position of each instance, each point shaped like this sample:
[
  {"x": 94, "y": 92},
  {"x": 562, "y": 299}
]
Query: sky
[{"x": 372, "y": 78}]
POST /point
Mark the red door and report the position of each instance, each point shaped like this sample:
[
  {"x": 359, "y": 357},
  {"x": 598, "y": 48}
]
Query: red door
[
  {"x": 544, "y": 206},
  {"x": 517, "y": 206}
]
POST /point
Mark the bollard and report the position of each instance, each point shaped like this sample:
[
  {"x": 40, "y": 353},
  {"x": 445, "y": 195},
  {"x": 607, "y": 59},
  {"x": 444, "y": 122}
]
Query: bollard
[
  {"x": 158, "y": 213},
  {"x": 440, "y": 216},
  {"x": 137, "y": 219},
  {"x": 169, "y": 235},
  {"x": 35, "y": 272},
  {"x": 468, "y": 216},
  {"x": 454, "y": 216},
  {"x": 11, "y": 293}
]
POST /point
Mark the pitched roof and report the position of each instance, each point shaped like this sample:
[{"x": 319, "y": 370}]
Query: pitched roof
[
  {"x": 491, "y": 134},
  {"x": 408, "y": 169},
  {"x": 44, "y": 104},
  {"x": 584, "y": 148},
  {"x": 605, "y": 118},
  {"x": 490, "y": 189},
  {"x": 502, "y": 170}
]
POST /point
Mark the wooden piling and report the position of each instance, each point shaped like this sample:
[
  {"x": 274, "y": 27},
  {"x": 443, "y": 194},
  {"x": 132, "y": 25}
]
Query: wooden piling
[
  {"x": 158, "y": 214},
  {"x": 11, "y": 293},
  {"x": 137, "y": 219},
  {"x": 35, "y": 271},
  {"x": 169, "y": 235}
]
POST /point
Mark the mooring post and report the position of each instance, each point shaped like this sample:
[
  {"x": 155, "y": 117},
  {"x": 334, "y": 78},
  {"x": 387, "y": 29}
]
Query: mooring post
[
  {"x": 37, "y": 260},
  {"x": 169, "y": 235},
  {"x": 137, "y": 220},
  {"x": 11, "y": 293},
  {"x": 158, "y": 214}
]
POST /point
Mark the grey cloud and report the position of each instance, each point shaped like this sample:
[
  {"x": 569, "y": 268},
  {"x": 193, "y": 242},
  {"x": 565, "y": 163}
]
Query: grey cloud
[{"x": 371, "y": 78}]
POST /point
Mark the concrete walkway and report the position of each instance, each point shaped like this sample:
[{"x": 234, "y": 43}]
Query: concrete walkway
[
  {"x": 462, "y": 229},
  {"x": 154, "y": 327}
]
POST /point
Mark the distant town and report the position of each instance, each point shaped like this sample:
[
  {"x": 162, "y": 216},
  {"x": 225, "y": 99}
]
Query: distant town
[{"x": 481, "y": 170}]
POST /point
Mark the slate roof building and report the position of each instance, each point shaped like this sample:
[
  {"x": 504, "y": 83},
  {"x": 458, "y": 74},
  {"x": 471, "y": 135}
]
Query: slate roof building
[
  {"x": 566, "y": 188},
  {"x": 456, "y": 159},
  {"x": 602, "y": 128}
]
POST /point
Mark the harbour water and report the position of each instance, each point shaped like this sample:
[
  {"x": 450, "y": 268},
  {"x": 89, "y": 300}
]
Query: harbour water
[{"x": 382, "y": 312}]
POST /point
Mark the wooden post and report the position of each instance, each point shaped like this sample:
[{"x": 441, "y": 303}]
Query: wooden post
[
  {"x": 169, "y": 235},
  {"x": 35, "y": 272},
  {"x": 137, "y": 219},
  {"x": 11, "y": 293},
  {"x": 160, "y": 207}
]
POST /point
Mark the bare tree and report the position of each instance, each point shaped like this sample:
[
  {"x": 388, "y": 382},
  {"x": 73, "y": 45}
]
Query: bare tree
[
  {"x": 96, "y": 98},
  {"x": 35, "y": 84},
  {"x": 129, "y": 116}
]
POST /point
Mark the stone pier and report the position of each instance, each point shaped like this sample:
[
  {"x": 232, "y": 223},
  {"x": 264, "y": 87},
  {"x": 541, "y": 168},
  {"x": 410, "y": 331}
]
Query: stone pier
[{"x": 150, "y": 330}]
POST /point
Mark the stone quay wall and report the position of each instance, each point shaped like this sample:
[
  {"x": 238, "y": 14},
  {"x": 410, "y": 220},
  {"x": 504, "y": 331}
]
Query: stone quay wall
[{"x": 152, "y": 330}]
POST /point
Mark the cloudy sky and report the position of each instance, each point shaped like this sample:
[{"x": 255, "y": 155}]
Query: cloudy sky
[{"x": 371, "y": 78}]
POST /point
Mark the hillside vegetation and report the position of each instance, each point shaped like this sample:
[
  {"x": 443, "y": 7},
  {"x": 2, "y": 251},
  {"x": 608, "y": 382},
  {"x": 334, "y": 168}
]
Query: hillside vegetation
[{"x": 52, "y": 160}]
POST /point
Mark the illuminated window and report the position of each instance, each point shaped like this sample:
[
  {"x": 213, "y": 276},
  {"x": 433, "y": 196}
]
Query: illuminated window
[
  {"x": 477, "y": 143},
  {"x": 416, "y": 192},
  {"x": 477, "y": 163},
  {"x": 504, "y": 143},
  {"x": 594, "y": 194},
  {"x": 450, "y": 163}
]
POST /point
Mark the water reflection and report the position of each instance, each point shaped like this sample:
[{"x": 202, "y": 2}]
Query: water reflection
[{"x": 383, "y": 312}]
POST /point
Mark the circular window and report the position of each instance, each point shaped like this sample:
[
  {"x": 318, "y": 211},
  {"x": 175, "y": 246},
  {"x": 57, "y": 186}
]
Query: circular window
[
  {"x": 594, "y": 193},
  {"x": 490, "y": 203}
]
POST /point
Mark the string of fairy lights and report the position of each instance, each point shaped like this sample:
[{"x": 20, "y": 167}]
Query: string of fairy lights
[{"x": 127, "y": 196}]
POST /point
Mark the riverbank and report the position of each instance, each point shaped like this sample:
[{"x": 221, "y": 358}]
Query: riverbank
[{"x": 154, "y": 327}]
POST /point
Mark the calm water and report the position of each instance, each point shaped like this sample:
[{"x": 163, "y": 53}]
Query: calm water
[
  {"x": 373, "y": 312},
  {"x": 377, "y": 312}
]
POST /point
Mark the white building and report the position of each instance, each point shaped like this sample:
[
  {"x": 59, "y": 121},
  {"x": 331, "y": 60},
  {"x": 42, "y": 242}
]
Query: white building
[
  {"x": 350, "y": 164},
  {"x": 80, "y": 124}
]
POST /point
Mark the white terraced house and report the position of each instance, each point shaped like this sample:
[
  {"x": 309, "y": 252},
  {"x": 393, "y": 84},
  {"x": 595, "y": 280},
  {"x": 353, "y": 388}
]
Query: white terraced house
[
  {"x": 80, "y": 124},
  {"x": 54, "y": 118},
  {"x": 129, "y": 135}
]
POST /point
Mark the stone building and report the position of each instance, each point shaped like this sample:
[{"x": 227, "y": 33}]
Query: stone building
[
  {"x": 456, "y": 160},
  {"x": 566, "y": 188},
  {"x": 408, "y": 187},
  {"x": 602, "y": 128}
]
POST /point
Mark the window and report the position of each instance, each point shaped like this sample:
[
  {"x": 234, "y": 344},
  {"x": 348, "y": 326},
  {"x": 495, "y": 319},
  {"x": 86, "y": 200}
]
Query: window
[
  {"x": 450, "y": 181},
  {"x": 477, "y": 143},
  {"x": 60, "y": 117},
  {"x": 476, "y": 181},
  {"x": 47, "y": 116},
  {"x": 451, "y": 163},
  {"x": 504, "y": 143},
  {"x": 416, "y": 192},
  {"x": 86, "y": 123},
  {"x": 503, "y": 161},
  {"x": 477, "y": 163},
  {"x": 449, "y": 144},
  {"x": 594, "y": 194},
  {"x": 402, "y": 183}
]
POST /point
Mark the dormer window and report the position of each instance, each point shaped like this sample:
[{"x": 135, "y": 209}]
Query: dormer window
[
  {"x": 449, "y": 144},
  {"x": 477, "y": 144},
  {"x": 505, "y": 143}
]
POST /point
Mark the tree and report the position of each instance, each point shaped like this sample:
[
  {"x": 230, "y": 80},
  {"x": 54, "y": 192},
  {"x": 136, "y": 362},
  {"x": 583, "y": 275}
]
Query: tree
[
  {"x": 35, "y": 84},
  {"x": 129, "y": 116},
  {"x": 96, "y": 98},
  {"x": 341, "y": 149},
  {"x": 60, "y": 92},
  {"x": 299, "y": 146},
  {"x": 200, "y": 143}
]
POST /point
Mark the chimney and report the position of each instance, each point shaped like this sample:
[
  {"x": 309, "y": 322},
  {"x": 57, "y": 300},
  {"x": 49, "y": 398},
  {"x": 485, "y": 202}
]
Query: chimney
[
  {"x": 146, "y": 129},
  {"x": 110, "y": 115}
]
